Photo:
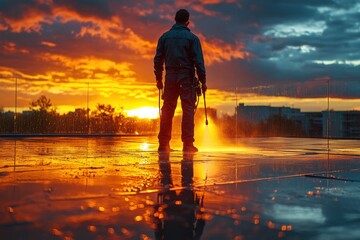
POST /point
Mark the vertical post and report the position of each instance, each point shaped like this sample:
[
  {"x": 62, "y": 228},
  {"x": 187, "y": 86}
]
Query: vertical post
[
  {"x": 14, "y": 167},
  {"x": 88, "y": 132},
  {"x": 87, "y": 110},
  {"x": 236, "y": 114},
  {"x": 328, "y": 111},
  {"x": 328, "y": 124},
  {"x": 15, "y": 114}
]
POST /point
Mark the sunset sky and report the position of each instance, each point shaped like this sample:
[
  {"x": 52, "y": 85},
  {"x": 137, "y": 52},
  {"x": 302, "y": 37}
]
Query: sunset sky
[{"x": 259, "y": 52}]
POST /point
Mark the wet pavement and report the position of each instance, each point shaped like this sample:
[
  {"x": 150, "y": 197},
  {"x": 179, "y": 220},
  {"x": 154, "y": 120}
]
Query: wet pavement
[{"x": 121, "y": 188}]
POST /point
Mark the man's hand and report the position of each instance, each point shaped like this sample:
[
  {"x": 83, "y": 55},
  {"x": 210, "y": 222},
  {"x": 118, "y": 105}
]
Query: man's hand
[
  {"x": 203, "y": 87},
  {"x": 159, "y": 84}
]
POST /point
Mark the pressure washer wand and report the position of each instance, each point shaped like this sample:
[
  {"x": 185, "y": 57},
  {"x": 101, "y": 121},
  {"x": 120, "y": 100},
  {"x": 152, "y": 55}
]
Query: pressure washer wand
[
  {"x": 159, "y": 104},
  {"x": 206, "y": 120}
]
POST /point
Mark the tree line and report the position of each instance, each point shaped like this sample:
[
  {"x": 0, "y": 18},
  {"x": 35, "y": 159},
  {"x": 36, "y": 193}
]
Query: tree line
[{"x": 42, "y": 118}]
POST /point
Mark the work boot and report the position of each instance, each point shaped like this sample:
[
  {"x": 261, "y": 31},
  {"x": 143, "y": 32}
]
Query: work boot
[
  {"x": 164, "y": 148},
  {"x": 190, "y": 148}
]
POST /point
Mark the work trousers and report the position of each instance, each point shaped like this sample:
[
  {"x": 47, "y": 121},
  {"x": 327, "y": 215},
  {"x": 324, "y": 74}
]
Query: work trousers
[{"x": 178, "y": 83}]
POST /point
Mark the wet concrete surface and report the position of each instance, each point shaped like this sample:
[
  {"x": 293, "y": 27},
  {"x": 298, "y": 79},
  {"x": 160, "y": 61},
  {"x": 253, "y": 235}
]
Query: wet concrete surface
[{"x": 121, "y": 188}]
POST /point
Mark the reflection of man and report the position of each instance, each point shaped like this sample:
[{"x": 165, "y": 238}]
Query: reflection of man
[
  {"x": 181, "y": 52},
  {"x": 178, "y": 214}
]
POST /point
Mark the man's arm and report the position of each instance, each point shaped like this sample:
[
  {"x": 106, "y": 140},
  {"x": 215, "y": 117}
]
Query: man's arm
[
  {"x": 198, "y": 60},
  {"x": 159, "y": 63}
]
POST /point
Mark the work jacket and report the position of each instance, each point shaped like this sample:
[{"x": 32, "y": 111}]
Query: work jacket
[{"x": 179, "y": 49}]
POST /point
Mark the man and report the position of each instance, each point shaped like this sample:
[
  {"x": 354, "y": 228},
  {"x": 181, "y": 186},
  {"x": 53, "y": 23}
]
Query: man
[{"x": 181, "y": 52}]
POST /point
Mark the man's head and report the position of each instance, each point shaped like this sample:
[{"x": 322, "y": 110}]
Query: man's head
[{"x": 182, "y": 16}]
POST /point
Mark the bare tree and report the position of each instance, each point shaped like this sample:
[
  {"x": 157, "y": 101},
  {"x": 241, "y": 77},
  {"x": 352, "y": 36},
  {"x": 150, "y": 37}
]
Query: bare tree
[
  {"x": 42, "y": 104},
  {"x": 43, "y": 115}
]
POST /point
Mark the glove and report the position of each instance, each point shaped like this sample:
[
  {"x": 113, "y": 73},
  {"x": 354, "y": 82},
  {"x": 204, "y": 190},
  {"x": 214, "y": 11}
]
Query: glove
[
  {"x": 159, "y": 84},
  {"x": 203, "y": 87}
]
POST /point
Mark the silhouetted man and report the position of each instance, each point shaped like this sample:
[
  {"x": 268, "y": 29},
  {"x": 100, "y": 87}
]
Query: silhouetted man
[{"x": 181, "y": 52}]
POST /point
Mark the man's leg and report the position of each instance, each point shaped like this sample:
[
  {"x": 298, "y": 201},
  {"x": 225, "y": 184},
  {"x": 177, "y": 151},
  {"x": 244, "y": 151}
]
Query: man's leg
[
  {"x": 171, "y": 94},
  {"x": 188, "y": 100}
]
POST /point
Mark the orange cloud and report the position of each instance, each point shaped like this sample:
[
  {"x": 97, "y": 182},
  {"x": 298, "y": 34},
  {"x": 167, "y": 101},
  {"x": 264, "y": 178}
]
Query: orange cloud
[
  {"x": 105, "y": 77},
  {"x": 49, "y": 44},
  {"x": 3, "y": 27},
  {"x": 111, "y": 29},
  {"x": 89, "y": 64},
  {"x": 201, "y": 8},
  {"x": 10, "y": 47},
  {"x": 107, "y": 29},
  {"x": 32, "y": 22},
  {"x": 138, "y": 11},
  {"x": 216, "y": 50},
  {"x": 138, "y": 44},
  {"x": 6, "y": 80}
]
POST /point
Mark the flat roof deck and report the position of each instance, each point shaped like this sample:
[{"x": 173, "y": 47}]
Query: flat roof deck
[{"x": 121, "y": 188}]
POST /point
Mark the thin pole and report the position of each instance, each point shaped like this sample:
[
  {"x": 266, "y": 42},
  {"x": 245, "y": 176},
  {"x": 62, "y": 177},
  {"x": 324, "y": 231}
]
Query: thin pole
[
  {"x": 15, "y": 115},
  {"x": 14, "y": 167},
  {"x": 87, "y": 109},
  {"x": 328, "y": 110},
  {"x": 328, "y": 123},
  {"x": 236, "y": 114}
]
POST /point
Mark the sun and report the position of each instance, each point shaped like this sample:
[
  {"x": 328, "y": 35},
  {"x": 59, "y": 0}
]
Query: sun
[{"x": 144, "y": 112}]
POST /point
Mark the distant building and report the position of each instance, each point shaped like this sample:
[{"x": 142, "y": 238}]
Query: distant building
[
  {"x": 312, "y": 123},
  {"x": 257, "y": 114},
  {"x": 342, "y": 124},
  {"x": 27, "y": 112}
]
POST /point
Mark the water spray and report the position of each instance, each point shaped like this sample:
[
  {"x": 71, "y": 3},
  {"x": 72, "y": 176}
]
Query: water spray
[{"x": 206, "y": 120}]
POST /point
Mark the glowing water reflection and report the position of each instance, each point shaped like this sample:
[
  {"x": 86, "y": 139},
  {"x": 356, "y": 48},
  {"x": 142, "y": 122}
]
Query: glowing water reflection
[{"x": 121, "y": 188}]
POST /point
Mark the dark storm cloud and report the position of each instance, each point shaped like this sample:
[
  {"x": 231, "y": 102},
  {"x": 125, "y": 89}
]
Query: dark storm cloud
[
  {"x": 97, "y": 8},
  {"x": 17, "y": 9},
  {"x": 292, "y": 44}
]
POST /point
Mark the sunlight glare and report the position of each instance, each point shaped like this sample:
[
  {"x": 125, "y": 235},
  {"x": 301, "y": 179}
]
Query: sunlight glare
[
  {"x": 144, "y": 147},
  {"x": 144, "y": 112}
]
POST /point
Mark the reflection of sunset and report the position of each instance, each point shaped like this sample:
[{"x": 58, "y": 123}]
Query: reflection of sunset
[
  {"x": 105, "y": 182},
  {"x": 144, "y": 112},
  {"x": 145, "y": 146}
]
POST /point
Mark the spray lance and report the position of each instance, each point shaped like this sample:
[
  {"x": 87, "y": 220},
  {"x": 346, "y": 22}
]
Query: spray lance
[
  {"x": 160, "y": 93},
  {"x": 206, "y": 120},
  {"x": 198, "y": 88}
]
